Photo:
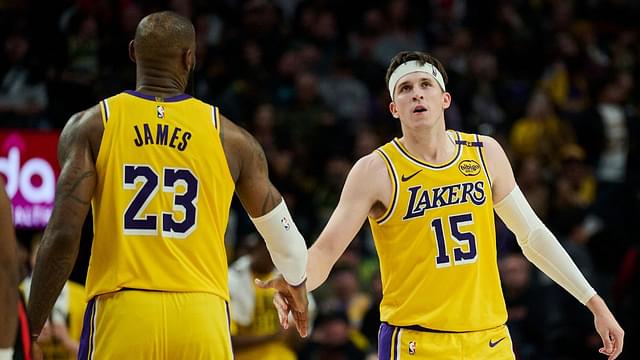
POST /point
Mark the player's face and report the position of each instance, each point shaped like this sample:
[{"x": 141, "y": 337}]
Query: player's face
[{"x": 419, "y": 100}]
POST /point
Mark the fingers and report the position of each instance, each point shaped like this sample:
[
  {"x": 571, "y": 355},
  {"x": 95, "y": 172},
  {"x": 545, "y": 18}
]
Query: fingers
[
  {"x": 269, "y": 284},
  {"x": 300, "y": 303},
  {"x": 289, "y": 298},
  {"x": 607, "y": 343},
  {"x": 618, "y": 339},
  {"x": 612, "y": 344},
  {"x": 301, "y": 320},
  {"x": 283, "y": 310},
  {"x": 298, "y": 294},
  {"x": 277, "y": 283}
]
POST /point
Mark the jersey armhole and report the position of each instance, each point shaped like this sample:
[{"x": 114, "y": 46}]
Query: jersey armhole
[
  {"x": 482, "y": 159},
  {"x": 104, "y": 112},
  {"x": 215, "y": 118},
  {"x": 394, "y": 194}
]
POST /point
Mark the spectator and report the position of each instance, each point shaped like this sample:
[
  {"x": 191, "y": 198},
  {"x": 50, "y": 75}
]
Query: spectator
[
  {"x": 23, "y": 93},
  {"x": 333, "y": 338}
]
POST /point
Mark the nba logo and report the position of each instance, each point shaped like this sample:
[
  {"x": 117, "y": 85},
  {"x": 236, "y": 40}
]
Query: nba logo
[
  {"x": 412, "y": 347},
  {"x": 160, "y": 112},
  {"x": 433, "y": 71},
  {"x": 285, "y": 224}
]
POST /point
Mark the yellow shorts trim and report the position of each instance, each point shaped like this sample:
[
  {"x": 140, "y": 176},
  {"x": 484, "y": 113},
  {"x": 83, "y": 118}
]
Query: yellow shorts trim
[{"x": 397, "y": 343}]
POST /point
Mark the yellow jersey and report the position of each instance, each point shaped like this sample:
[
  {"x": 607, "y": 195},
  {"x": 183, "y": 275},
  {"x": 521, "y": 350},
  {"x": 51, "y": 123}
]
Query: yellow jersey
[
  {"x": 436, "y": 241},
  {"x": 162, "y": 199}
]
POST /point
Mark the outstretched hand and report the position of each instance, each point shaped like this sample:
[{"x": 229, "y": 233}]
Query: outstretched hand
[
  {"x": 288, "y": 298},
  {"x": 612, "y": 336},
  {"x": 607, "y": 327}
]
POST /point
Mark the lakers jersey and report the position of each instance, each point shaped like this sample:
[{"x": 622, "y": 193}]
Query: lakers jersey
[
  {"x": 162, "y": 200},
  {"x": 436, "y": 241}
]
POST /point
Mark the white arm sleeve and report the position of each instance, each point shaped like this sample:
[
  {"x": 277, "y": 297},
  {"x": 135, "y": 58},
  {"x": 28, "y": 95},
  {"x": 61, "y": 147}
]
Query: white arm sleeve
[
  {"x": 285, "y": 243},
  {"x": 540, "y": 246}
]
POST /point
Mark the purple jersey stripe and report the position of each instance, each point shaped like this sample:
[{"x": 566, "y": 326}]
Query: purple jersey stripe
[
  {"x": 385, "y": 339},
  {"x": 86, "y": 336},
  {"x": 153, "y": 98}
]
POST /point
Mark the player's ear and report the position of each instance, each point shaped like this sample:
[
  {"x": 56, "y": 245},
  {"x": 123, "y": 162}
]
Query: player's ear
[
  {"x": 446, "y": 100},
  {"x": 393, "y": 109},
  {"x": 189, "y": 60},
  {"x": 132, "y": 51}
]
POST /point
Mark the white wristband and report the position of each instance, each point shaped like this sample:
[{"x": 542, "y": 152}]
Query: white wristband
[
  {"x": 285, "y": 243},
  {"x": 6, "y": 354}
]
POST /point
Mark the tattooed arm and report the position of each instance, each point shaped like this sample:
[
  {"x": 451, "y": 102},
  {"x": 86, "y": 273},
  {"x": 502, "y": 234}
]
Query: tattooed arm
[
  {"x": 269, "y": 213},
  {"x": 248, "y": 166},
  {"x": 77, "y": 150}
]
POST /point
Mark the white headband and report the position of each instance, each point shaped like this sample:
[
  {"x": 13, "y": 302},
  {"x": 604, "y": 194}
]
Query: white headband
[{"x": 414, "y": 66}]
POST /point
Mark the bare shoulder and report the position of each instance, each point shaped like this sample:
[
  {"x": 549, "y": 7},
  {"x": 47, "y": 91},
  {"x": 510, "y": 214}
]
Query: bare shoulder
[
  {"x": 369, "y": 176},
  {"x": 490, "y": 144},
  {"x": 240, "y": 148},
  {"x": 233, "y": 134},
  {"x": 370, "y": 165},
  {"x": 495, "y": 154},
  {"x": 499, "y": 166},
  {"x": 83, "y": 128}
]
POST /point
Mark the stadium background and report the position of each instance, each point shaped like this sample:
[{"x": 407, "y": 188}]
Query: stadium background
[{"x": 554, "y": 81}]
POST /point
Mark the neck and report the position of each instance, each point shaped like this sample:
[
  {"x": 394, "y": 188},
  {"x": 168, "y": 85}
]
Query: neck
[
  {"x": 432, "y": 145},
  {"x": 159, "y": 83}
]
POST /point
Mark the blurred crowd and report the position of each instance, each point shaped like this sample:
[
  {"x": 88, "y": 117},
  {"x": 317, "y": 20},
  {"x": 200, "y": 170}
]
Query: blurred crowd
[{"x": 554, "y": 81}]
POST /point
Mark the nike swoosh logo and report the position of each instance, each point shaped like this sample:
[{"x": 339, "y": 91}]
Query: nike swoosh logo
[
  {"x": 407, "y": 178},
  {"x": 493, "y": 344}
]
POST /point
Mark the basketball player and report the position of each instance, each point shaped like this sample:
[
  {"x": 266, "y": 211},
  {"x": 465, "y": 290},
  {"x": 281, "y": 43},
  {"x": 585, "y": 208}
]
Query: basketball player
[
  {"x": 430, "y": 197},
  {"x": 159, "y": 169},
  {"x": 8, "y": 278}
]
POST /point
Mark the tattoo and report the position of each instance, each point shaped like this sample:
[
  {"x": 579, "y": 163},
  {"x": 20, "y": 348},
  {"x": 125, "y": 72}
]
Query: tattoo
[
  {"x": 67, "y": 187},
  {"x": 258, "y": 152},
  {"x": 269, "y": 202},
  {"x": 61, "y": 239},
  {"x": 51, "y": 271}
]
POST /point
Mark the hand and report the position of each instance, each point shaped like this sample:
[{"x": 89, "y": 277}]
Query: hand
[
  {"x": 287, "y": 299},
  {"x": 607, "y": 327}
]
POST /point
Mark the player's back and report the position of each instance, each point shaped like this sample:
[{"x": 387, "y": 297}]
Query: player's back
[{"x": 162, "y": 198}]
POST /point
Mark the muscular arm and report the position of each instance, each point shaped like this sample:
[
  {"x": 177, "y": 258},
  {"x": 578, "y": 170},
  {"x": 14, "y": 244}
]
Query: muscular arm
[
  {"x": 366, "y": 184},
  {"x": 61, "y": 239},
  {"x": 8, "y": 274},
  {"x": 264, "y": 204},
  {"x": 248, "y": 165}
]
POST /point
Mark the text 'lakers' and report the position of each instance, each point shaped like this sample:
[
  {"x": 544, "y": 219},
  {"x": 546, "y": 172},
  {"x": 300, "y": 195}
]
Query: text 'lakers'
[
  {"x": 161, "y": 134},
  {"x": 422, "y": 199}
]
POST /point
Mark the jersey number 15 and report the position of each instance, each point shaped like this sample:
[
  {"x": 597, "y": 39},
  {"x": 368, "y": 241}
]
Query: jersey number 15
[{"x": 462, "y": 239}]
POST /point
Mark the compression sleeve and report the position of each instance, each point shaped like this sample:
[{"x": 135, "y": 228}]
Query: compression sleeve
[{"x": 541, "y": 247}]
